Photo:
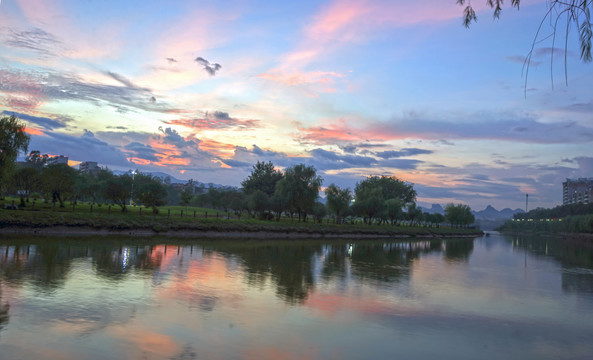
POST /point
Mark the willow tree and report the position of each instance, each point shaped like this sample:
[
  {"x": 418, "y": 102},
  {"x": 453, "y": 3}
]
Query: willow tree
[
  {"x": 576, "y": 13},
  {"x": 13, "y": 139}
]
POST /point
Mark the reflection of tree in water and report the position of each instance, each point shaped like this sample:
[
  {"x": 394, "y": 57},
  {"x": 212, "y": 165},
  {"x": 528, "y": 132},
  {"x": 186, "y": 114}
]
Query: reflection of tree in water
[
  {"x": 46, "y": 265},
  {"x": 3, "y": 310},
  {"x": 458, "y": 250},
  {"x": 576, "y": 258},
  {"x": 114, "y": 262},
  {"x": 571, "y": 253},
  {"x": 288, "y": 266},
  {"x": 388, "y": 262}
]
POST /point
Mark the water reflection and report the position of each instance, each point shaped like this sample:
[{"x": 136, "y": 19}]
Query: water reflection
[{"x": 171, "y": 299}]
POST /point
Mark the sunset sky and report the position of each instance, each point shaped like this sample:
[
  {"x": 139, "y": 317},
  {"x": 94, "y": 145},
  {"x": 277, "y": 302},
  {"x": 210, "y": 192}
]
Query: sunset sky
[{"x": 204, "y": 89}]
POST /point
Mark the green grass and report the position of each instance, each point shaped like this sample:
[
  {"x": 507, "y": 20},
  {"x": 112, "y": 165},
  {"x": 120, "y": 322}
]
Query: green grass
[{"x": 169, "y": 219}]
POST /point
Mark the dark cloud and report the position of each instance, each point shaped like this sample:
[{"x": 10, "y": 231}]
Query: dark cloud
[
  {"x": 210, "y": 68},
  {"x": 124, "y": 81},
  {"x": 142, "y": 151},
  {"x": 44, "y": 122},
  {"x": 487, "y": 126},
  {"x": 215, "y": 120},
  {"x": 402, "y": 153},
  {"x": 352, "y": 148},
  {"x": 36, "y": 39},
  {"x": 81, "y": 148},
  {"x": 171, "y": 136},
  {"x": 171, "y": 60},
  {"x": 332, "y": 160}
]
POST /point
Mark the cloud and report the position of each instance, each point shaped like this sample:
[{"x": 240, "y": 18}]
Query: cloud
[
  {"x": 324, "y": 81},
  {"x": 37, "y": 87},
  {"x": 214, "y": 121},
  {"x": 44, "y": 122},
  {"x": 211, "y": 69},
  {"x": 36, "y": 39},
  {"x": 80, "y": 148},
  {"x": 171, "y": 136},
  {"x": 514, "y": 127},
  {"x": 402, "y": 153},
  {"x": 171, "y": 60}
]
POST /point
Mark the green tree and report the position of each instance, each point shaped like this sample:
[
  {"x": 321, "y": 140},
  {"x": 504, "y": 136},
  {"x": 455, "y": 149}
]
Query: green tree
[
  {"x": 26, "y": 180},
  {"x": 414, "y": 213},
  {"x": 118, "y": 190},
  {"x": 369, "y": 201},
  {"x": 258, "y": 202},
  {"x": 458, "y": 215},
  {"x": 151, "y": 193},
  {"x": 263, "y": 177},
  {"x": 300, "y": 187},
  {"x": 57, "y": 180},
  {"x": 13, "y": 139},
  {"x": 319, "y": 211},
  {"x": 394, "y": 209},
  {"x": 338, "y": 200},
  {"x": 187, "y": 195},
  {"x": 36, "y": 160}
]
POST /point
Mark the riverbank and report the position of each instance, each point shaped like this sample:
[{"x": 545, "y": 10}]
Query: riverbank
[{"x": 76, "y": 224}]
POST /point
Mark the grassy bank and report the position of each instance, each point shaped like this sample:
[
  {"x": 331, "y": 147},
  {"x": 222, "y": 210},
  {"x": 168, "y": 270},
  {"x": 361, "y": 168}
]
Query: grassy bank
[{"x": 173, "y": 222}]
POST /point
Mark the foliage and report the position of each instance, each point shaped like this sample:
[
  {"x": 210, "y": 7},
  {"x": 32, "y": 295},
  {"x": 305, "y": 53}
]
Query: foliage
[
  {"x": 36, "y": 160},
  {"x": 151, "y": 193},
  {"x": 300, "y": 187},
  {"x": 25, "y": 181},
  {"x": 13, "y": 139},
  {"x": 414, "y": 213},
  {"x": 372, "y": 193},
  {"x": 187, "y": 195},
  {"x": 57, "y": 182},
  {"x": 263, "y": 177},
  {"x": 459, "y": 215},
  {"x": 118, "y": 190},
  {"x": 338, "y": 200},
  {"x": 319, "y": 211}
]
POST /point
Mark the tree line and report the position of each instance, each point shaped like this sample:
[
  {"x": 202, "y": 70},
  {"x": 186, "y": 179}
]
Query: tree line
[{"x": 267, "y": 193}]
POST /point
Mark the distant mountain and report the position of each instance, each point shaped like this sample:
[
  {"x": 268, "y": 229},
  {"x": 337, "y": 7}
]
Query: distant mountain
[
  {"x": 490, "y": 213},
  {"x": 174, "y": 180}
]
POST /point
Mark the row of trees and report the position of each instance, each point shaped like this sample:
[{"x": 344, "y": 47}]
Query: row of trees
[{"x": 267, "y": 192}]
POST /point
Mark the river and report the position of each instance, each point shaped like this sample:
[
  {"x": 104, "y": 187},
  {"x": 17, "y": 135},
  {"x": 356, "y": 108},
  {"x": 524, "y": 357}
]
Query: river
[{"x": 494, "y": 297}]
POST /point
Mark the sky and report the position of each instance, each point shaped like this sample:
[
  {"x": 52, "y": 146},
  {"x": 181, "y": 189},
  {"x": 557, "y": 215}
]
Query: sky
[{"x": 203, "y": 90}]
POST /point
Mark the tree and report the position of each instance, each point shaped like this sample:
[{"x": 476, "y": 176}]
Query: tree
[
  {"x": 394, "y": 209},
  {"x": 459, "y": 215},
  {"x": 13, "y": 139},
  {"x": 300, "y": 187},
  {"x": 319, "y": 211},
  {"x": 372, "y": 192},
  {"x": 118, "y": 189},
  {"x": 150, "y": 192},
  {"x": 263, "y": 177},
  {"x": 36, "y": 160},
  {"x": 26, "y": 180},
  {"x": 186, "y": 195},
  {"x": 57, "y": 180},
  {"x": 258, "y": 202},
  {"x": 414, "y": 213},
  {"x": 338, "y": 200}
]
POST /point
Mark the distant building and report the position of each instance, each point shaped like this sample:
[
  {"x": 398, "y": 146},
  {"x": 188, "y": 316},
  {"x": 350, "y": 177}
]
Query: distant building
[
  {"x": 575, "y": 191},
  {"x": 89, "y": 167},
  {"x": 58, "y": 159}
]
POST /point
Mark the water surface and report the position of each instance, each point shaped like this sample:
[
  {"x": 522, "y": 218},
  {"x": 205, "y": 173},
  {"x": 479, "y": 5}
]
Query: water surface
[{"x": 491, "y": 298}]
